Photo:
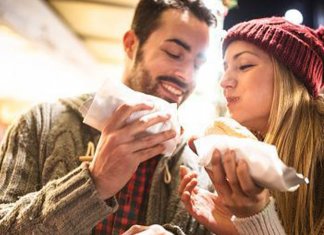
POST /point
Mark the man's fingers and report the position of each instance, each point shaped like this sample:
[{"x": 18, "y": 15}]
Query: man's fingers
[
  {"x": 138, "y": 128},
  {"x": 146, "y": 154},
  {"x": 150, "y": 141},
  {"x": 142, "y": 124},
  {"x": 150, "y": 146},
  {"x": 124, "y": 141},
  {"x": 121, "y": 114}
]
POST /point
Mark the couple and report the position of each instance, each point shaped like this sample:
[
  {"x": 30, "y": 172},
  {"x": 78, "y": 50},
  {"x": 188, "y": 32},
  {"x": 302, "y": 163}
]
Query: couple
[{"x": 273, "y": 71}]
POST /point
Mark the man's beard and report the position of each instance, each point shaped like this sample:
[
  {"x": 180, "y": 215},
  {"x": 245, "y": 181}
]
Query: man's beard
[{"x": 140, "y": 79}]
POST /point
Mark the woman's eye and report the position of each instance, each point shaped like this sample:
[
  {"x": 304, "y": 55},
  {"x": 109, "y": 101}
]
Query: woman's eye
[{"x": 244, "y": 67}]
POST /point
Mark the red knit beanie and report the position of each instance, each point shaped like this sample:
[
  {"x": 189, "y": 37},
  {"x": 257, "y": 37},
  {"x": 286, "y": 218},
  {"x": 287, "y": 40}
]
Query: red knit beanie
[{"x": 298, "y": 47}]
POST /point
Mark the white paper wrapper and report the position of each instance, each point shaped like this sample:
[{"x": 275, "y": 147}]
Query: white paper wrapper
[
  {"x": 264, "y": 164},
  {"x": 113, "y": 94}
]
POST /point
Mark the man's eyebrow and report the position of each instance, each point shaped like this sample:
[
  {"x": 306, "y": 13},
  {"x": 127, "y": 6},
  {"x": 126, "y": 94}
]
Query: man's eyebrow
[{"x": 180, "y": 43}]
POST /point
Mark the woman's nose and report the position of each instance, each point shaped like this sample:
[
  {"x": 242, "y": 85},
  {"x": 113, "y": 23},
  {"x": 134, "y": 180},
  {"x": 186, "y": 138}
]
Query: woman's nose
[{"x": 228, "y": 81}]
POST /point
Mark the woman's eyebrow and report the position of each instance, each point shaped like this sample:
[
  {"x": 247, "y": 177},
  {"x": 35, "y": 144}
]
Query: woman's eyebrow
[{"x": 244, "y": 52}]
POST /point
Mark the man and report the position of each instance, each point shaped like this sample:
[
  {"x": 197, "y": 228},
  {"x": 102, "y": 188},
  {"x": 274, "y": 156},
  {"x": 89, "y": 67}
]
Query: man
[{"x": 44, "y": 189}]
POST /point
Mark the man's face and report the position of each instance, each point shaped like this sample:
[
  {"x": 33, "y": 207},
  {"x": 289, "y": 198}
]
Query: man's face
[{"x": 166, "y": 65}]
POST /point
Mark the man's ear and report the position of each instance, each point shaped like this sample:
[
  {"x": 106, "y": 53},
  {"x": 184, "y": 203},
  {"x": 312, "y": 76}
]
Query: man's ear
[{"x": 130, "y": 42}]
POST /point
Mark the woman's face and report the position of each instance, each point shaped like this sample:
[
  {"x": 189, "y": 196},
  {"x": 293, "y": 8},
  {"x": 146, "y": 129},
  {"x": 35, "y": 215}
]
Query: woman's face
[{"x": 248, "y": 84}]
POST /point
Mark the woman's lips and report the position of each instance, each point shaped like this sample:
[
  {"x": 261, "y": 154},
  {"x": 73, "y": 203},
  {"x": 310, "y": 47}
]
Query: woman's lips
[{"x": 232, "y": 100}]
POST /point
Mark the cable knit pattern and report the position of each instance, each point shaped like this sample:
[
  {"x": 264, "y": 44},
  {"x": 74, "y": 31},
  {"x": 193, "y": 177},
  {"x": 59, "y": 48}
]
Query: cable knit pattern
[
  {"x": 45, "y": 190},
  {"x": 266, "y": 222},
  {"x": 38, "y": 194}
]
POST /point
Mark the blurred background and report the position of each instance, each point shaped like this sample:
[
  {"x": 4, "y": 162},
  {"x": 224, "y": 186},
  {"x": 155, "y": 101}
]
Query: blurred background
[
  {"x": 308, "y": 12},
  {"x": 58, "y": 48}
]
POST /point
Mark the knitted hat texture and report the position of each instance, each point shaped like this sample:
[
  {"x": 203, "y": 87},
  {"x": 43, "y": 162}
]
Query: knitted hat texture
[{"x": 298, "y": 47}]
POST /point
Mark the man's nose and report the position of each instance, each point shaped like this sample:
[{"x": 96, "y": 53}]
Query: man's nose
[
  {"x": 186, "y": 73},
  {"x": 185, "y": 77}
]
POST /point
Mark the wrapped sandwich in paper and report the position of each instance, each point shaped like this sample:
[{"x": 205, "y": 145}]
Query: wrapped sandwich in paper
[
  {"x": 113, "y": 94},
  {"x": 265, "y": 167}
]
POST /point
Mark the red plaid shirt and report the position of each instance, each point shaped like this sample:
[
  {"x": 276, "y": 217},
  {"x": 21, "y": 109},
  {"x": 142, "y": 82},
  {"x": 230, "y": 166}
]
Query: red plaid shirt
[{"x": 132, "y": 200}]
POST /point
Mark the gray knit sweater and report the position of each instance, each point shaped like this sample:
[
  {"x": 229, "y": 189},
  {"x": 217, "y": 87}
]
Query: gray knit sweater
[{"x": 46, "y": 190}]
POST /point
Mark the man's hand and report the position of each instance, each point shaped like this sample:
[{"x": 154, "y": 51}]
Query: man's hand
[
  {"x": 122, "y": 147},
  {"x": 154, "y": 229}
]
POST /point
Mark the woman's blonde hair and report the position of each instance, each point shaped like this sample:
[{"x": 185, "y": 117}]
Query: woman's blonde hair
[{"x": 296, "y": 128}]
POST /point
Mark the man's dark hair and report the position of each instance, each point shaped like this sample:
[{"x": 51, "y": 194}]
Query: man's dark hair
[{"x": 148, "y": 12}]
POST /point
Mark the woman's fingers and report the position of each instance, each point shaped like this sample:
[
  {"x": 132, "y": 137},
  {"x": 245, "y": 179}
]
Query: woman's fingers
[
  {"x": 238, "y": 176},
  {"x": 217, "y": 174},
  {"x": 247, "y": 184},
  {"x": 186, "y": 176},
  {"x": 187, "y": 187},
  {"x": 236, "y": 189},
  {"x": 191, "y": 143},
  {"x": 229, "y": 162},
  {"x": 188, "y": 193},
  {"x": 183, "y": 171}
]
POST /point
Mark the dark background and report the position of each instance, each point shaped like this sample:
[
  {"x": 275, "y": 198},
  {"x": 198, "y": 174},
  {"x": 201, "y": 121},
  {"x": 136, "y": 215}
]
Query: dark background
[{"x": 312, "y": 11}]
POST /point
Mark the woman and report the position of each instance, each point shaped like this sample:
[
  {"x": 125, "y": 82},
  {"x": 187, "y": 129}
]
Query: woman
[{"x": 272, "y": 80}]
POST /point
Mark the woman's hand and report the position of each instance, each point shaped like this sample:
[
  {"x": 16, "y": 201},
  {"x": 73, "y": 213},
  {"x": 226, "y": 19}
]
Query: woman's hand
[
  {"x": 234, "y": 185},
  {"x": 204, "y": 206}
]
